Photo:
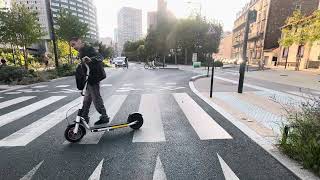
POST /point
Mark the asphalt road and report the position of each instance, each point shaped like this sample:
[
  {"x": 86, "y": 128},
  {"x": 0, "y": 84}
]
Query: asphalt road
[{"x": 182, "y": 137}]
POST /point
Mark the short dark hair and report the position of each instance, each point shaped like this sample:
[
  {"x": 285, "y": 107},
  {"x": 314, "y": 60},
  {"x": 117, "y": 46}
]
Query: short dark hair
[
  {"x": 75, "y": 39},
  {"x": 3, "y": 61}
]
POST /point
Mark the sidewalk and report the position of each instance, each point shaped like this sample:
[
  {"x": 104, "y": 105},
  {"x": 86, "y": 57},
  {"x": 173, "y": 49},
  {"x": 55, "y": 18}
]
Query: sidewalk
[{"x": 258, "y": 112}]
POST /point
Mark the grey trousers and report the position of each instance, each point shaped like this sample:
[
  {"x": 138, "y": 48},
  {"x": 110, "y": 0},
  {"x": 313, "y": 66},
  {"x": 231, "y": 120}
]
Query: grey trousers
[{"x": 93, "y": 94}]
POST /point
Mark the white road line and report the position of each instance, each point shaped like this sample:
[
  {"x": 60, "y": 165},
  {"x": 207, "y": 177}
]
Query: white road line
[
  {"x": 202, "y": 123},
  {"x": 149, "y": 84},
  {"x": 152, "y": 129},
  {"x": 106, "y": 85},
  {"x": 41, "y": 86},
  {"x": 129, "y": 84},
  {"x": 121, "y": 90},
  {"x": 14, "y": 115},
  {"x": 32, "y": 172},
  {"x": 62, "y": 86},
  {"x": 113, "y": 105},
  {"x": 227, "y": 171},
  {"x": 97, "y": 172},
  {"x": 10, "y": 93},
  {"x": 15, "y": 101},
  {"x": 31, "y": 132},
  {"x": 159, "y": 173},
  {"x": 1, "y": 97}
]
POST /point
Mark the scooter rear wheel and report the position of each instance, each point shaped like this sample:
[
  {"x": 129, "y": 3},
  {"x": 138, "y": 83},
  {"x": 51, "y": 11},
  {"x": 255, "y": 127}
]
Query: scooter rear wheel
[
  {"x": 72, "y": 137},
  {"x": 135, "y": 117}
]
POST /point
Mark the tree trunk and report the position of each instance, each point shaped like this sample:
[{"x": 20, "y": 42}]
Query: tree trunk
[
  {"x": 175, "y": 58},
  {"x": 14, "y": 60},
  {"x": 70, "y": 53},
  {"x": 308, "y": 55},
  {"x": 25, "y": 54},
  {"x": 186, "y": 56}
]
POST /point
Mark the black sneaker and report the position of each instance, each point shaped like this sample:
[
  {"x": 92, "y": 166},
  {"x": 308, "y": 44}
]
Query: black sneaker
[{"x": 103, "y": 120}]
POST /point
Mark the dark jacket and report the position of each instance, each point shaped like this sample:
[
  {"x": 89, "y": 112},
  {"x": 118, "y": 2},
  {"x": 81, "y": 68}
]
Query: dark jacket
[{"x": 97, "y": 72}]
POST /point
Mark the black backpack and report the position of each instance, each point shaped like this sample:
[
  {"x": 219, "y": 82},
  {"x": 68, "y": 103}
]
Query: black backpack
[
  {"x": 81, "y": 76},
  {"x": 97, "y": 72}
]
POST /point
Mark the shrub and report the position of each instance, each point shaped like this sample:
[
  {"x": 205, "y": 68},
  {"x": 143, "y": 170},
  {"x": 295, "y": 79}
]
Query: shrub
[
  {"x": 218, "y": 64},
  {"x": 66, "y": 70},
  {"x": 10, "y": 74},
  {"x": 303, "y": 140}
]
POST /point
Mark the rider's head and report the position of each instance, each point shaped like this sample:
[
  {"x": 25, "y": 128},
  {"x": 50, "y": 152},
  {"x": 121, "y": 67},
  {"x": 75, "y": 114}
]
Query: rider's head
[{"x": 76, "y": 43}]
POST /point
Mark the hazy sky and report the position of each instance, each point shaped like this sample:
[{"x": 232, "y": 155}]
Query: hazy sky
[{"x": 221, "y": 10}]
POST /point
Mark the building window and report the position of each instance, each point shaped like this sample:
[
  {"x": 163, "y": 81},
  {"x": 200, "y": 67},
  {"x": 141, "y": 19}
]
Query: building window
[
  {"x": 300, "y": 51},
  {"x": 285, "y": 52}
]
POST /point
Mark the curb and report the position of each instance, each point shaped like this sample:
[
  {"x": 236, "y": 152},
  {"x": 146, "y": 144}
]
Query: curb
[{"x": 290, "y": 164}]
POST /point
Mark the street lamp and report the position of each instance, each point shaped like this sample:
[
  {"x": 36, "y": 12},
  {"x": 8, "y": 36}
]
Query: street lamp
[{"x": 250, "y": 18}]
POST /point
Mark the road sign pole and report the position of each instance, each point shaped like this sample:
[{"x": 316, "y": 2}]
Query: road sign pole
[{"x": 212, "y": 75}]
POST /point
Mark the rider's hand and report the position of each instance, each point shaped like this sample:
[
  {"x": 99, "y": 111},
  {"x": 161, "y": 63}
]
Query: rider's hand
[{"x": 86, "y": 59}]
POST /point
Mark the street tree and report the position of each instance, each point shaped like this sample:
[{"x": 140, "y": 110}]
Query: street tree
[
  {"x": 69, "y": 26},
  {"x": 20, "y": 26}
]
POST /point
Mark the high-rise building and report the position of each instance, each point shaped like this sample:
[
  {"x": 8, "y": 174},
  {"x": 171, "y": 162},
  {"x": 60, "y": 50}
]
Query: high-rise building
[
  {"x": 40, "y": 6},
  {"x": 129, "y": 25},
  {"x": 85, "y": 10},
  {"x": 265, "y": 32},
  {"x": 152, "y": 19},
  {"x": 106, "y": 41}
]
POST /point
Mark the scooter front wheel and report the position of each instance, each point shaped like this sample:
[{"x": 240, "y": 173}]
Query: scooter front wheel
[{"x": 71, "y": 136}]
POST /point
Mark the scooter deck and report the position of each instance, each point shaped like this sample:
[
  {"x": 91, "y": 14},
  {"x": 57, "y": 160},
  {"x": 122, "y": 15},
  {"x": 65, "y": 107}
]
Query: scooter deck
[{"x": 109, "y": 127}]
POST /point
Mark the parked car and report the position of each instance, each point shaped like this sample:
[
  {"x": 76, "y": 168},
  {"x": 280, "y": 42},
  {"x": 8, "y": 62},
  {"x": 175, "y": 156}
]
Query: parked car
[{"x": 119, "y": 61}]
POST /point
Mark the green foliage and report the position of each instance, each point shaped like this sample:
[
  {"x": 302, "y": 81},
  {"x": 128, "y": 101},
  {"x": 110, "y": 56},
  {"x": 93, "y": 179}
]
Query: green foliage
[
  {"x": 106, "y": 52},
  {"x": 303, "y": 141},
  {"x": 300, "y": 29},
  {"x": 12, "y": 74},
  {"x": 70, "y": 26},
  {"x": 20, "y": 27},
  {"x": 66, "y": 70},
  {"x": 218, "y": 64}
]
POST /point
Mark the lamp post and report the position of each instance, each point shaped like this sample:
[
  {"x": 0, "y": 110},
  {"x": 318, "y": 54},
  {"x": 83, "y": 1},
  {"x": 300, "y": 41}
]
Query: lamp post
[
  {"x": 53, "y": 35},
  {"x": 250, "y": 17}
]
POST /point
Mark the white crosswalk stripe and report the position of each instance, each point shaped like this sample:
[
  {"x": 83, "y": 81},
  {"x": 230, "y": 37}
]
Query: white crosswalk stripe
[
  {"x": 202, "y": 123},
  {"x": 62, "y": 86},
  {"x": 14, "y": 115},
  {"x": 152, "y": 129},
  {"x": 15, "y": 101},
  {"x": 36, "y": 129}
]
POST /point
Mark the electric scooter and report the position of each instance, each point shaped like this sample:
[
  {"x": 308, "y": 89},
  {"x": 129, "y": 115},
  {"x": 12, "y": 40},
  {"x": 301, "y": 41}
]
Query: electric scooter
[{"x": 77, "y": 130}]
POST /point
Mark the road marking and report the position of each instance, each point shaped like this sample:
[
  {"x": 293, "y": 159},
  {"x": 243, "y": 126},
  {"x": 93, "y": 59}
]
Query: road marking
[
  {"x": 97, "y": 172},
  {"x": 62, "y": 86},
  {"x": 159, "y": 173},
  {"x": 41, "y": 86},
  {"x": 123, "y": 90},
  {"x": 152, "y": 129},
  {"x": 1, "y": 97},
  {"x": 106, "y": 85},
  {"x": 27, "y": 134},
  {"x": 10, "y": 93},
  {"x": 31, "y": 90},
  {"x": 113, "y": 105},
  {"x": 227, "y": 171},
  {"x": 14, "y": 115},
  {"x": 202, "y": 123},
  {"x": 129, "y": 84},
  {"x": 32, "y": 172},
  {"x": 15, "y": 101},
  {"x": 149, "y": 84}
]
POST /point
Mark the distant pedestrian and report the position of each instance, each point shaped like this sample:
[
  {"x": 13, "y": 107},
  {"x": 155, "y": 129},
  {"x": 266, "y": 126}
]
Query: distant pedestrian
[
  {"x": 46, "y": 61},
  {"x": 3, "y": 63},
  {"x": 127, "y": 63}
]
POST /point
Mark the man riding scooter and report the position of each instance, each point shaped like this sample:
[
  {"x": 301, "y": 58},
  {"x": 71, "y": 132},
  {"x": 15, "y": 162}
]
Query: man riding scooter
[{"x": 92, "y": 58}]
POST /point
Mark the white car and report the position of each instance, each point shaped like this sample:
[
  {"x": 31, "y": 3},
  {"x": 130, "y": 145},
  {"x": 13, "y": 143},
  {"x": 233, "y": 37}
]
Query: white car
[{"x": 119, "y": 61}]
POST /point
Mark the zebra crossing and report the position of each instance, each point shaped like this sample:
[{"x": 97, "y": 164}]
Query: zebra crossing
[{"x": 152, "y": 131}]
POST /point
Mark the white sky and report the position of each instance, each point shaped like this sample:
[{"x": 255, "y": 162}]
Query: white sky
[{"x": 221, "y": 10}]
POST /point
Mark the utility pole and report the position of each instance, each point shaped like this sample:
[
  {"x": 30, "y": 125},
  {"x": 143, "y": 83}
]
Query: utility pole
[
  {"x": 250, "y": 17},
  {"x": 53, "y": 34}
]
